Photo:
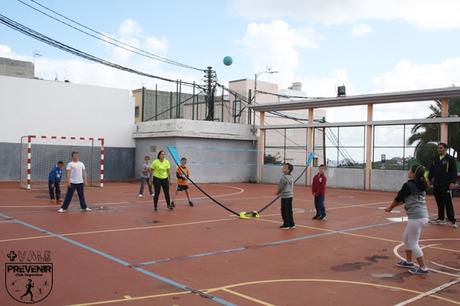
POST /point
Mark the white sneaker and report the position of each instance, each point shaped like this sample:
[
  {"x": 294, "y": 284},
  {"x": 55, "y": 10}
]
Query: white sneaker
[
  {"x": 453, "y": 225},
  {"x": 140, "y": 196},
  {"x": 87, "y": 209},
  {"x": 61, "y": 210}
]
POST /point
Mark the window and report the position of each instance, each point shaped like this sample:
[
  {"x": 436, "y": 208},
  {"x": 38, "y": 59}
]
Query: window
[
  {"x": 396, "y": 147},
  {"x": 341, "y": 147},
  {"x": 285, "y": 146}
]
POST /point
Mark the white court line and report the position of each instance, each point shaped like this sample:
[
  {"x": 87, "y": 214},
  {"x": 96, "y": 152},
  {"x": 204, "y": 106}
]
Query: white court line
[
  {"x": 444, "y": 266},
  {"x": 395, "y": 251},
  {"x": 45, "y": 206},
  {"x": 432, "y": 291},
  {"x": 240, "y": 191}
]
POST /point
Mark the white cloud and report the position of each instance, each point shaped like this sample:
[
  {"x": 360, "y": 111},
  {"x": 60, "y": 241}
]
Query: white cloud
[
  {"x": 123, "y": 55},
  {"x": 326, "y": 86},
  {"x": 361, "y": 30},
  {"x": 157, "y": 45},
  {"x": 131, "y": 33},
  {"x": 77, "y": 70},
  {"x": 5, "y": 50},
  {"x": 277, "y": 45},
  {"x": 406, "y": 75},
  {"x": 425, "y": 14},
  {"x": 129, "y": 27}
]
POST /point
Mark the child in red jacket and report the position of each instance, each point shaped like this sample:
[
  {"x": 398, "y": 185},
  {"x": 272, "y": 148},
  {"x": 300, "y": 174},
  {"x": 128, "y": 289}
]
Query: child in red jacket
[{"x": 318, "y": 189}]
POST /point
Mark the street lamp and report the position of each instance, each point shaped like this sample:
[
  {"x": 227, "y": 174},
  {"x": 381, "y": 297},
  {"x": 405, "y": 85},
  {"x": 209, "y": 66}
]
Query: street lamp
[{"x": 268, "y": 71}]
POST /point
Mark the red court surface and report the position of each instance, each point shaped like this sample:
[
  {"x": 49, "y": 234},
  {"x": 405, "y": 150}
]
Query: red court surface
[{"x": 124, "y": 253}]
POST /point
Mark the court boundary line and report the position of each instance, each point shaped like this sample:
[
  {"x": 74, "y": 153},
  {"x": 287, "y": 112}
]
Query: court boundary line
[
  {"x": 118, "y": 229},
  {"x": 332, "y": 281},
  {"x": 369, "y": 236},
  {"x": 124, "y": 263},
  {"x": 429, "y": 292},
  {"x": 141, "y": 228},
  {"x": 259, "y": 245},
  {"x": 247, "y": 297},
  {"x": 396, "y": 253},
  {"x": 267, "y": 281}
]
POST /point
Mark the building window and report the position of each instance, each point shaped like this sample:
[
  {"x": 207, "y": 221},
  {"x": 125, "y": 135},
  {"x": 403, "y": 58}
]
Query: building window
[{"x": 136, "y": 111}]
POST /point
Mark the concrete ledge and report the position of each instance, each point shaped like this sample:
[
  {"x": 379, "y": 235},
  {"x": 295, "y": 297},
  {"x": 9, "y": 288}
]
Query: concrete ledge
[
  {"x": 272, "y": 174},
  {"x": 194, "y": 129},
  {"x": 388, "y": 180}
]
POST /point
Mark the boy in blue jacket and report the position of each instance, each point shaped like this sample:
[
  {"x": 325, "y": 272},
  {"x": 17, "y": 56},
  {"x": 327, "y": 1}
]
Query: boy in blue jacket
[{"x": 54, "y": 181}]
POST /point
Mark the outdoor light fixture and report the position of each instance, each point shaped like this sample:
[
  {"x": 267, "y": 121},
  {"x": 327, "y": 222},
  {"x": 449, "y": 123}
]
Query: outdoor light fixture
[{"x": 341, "y": 91}]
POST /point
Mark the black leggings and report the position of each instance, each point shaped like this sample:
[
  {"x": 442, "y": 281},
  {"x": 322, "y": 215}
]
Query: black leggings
[
  {"x": 54, "y": 188},
  {"x": 157, "y": 185},
  {"x": 443, "y": 198},
  {"x": 286, "y": 212}
]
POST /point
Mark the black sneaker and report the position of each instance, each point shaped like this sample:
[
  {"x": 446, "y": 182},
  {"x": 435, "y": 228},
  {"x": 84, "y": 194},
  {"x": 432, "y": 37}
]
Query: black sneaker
[
  {"x": 285, "y": 227},
  {"x": 437, "y": 222},
  {"x": 155, "y": 209},
  {"x": 405, "y": 264},
  {"x": 172, "y": 204},
  {"x": 170, "y": 207},
  {"x": 323, "y": 218},
  {"x": 190, "y": 204},
  {"x": 315, "y": 218},
  {"x": 419, "y": 271}
]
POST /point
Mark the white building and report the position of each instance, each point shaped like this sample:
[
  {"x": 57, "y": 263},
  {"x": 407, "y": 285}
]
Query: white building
[{"x": 51, "y": 108}]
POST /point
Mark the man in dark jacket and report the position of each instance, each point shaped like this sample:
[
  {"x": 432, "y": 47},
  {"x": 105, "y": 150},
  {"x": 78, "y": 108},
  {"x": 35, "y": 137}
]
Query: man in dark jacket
[{"x": 443, "y": 173}]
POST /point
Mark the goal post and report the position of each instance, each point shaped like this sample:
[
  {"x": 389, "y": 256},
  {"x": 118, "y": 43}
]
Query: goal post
[{"x": 39, "y": 154}]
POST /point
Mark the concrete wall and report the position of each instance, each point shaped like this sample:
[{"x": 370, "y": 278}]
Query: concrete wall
[
  {"x": 344, "y": 177},
  {"x": 388, "y": 180},
  {"x": 210, "y": 160},
  {"x": 119, "y": 162},
  {"x": 217, "y": 152},
  {"x": 15, "y": 68},
  {"x": 272, "y": 174},
  {"x": 9, "y": 161},
  {"x": 382, "y": 180},
  {"x": 336, "y": 177},
  {"x": 37, "y": 107}
]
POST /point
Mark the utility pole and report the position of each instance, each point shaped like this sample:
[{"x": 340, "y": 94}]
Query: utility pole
[
  {"x": 210, "y": 94},
  {"x": 323, "y": 120}
]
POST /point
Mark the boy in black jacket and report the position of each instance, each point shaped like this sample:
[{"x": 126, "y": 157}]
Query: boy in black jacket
[{"x": 443, "y": 173}]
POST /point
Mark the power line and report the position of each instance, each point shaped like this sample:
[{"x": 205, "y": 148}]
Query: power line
[
  {"x": 57, "y": 44},
  {"x": 108, "y": 39}
]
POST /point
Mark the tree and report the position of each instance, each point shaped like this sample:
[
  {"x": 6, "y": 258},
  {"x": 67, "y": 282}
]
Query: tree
[
  {"x": 425, "y": 153},
  {"x": 429, "y": 133}
]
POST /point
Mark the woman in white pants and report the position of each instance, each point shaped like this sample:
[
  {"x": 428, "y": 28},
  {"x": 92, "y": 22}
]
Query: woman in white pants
[{"x": 412, "y": 195}]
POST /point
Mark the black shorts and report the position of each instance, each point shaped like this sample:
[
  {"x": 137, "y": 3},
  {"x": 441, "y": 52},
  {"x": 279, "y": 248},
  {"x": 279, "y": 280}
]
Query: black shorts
[{"x": 181, "y": 187}]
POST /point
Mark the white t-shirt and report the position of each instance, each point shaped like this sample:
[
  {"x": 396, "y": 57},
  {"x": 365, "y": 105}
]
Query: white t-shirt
[{"x": 76, "y": 172}]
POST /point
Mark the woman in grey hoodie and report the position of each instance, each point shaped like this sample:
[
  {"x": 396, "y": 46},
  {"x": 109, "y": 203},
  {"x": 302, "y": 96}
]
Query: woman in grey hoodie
[{"x": 412, "y": 195}]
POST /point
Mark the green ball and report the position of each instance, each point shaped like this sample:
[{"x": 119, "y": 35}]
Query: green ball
[{"x": 228, "y": 61}]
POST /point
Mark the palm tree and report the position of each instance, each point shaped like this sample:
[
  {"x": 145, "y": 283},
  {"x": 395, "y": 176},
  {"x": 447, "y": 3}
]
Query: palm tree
[{"x": 428, "y": 133}]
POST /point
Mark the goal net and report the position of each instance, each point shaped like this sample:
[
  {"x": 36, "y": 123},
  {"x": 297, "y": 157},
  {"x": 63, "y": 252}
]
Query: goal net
[{"x": 39, "y": 154}]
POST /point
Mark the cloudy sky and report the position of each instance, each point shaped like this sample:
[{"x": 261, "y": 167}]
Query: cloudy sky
[{"x": 368, "y": 45}]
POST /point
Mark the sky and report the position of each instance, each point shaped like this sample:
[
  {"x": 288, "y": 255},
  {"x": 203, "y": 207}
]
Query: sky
[{"x": 370, "y": 46}]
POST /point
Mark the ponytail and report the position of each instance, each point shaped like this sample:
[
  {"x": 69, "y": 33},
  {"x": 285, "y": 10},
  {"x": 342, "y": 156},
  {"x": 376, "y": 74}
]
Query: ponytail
[{"x": 419, "y": 172}]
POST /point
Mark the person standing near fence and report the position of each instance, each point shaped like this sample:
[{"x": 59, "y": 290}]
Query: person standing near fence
[
  {"x": 146, "y": 177},
  {"x": 76, "y": 180},
  {"x": 54, "y": 182},
  {"x": 443, "y": 174},
  {"x": 318, "y": 189},
  {"x": 160, "y": 172}
]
